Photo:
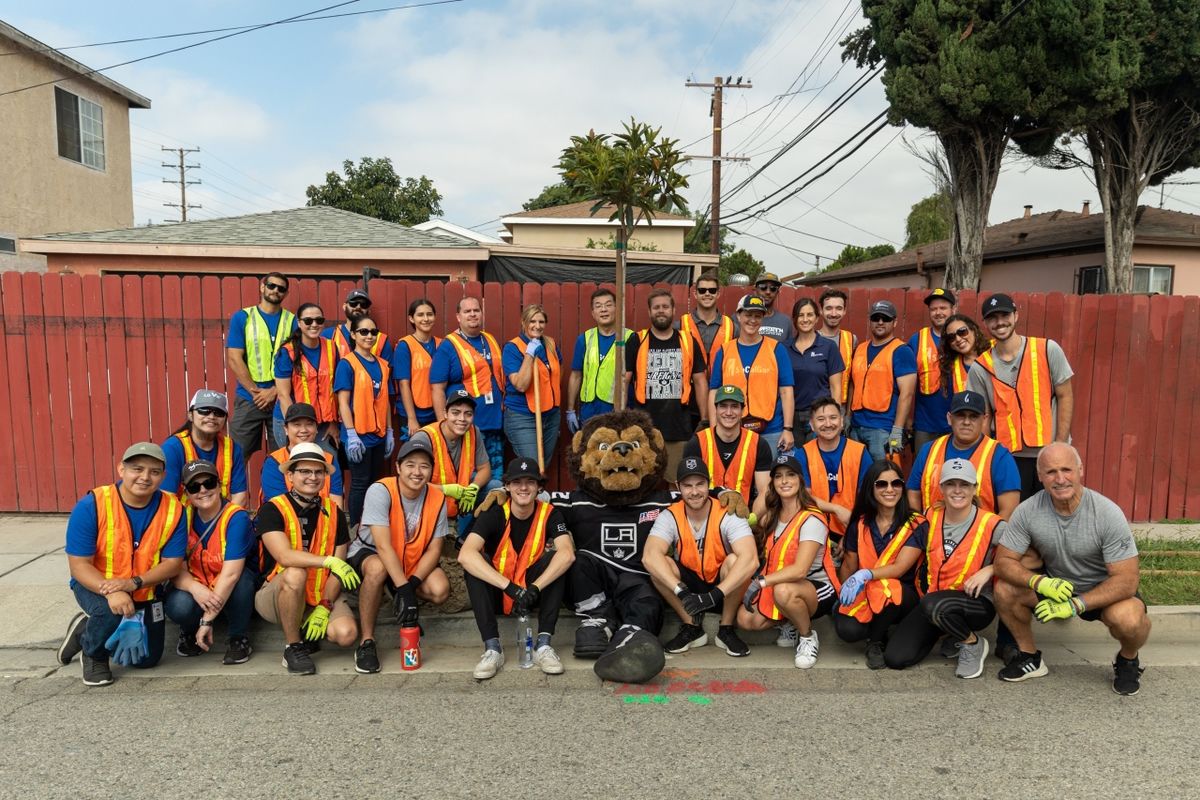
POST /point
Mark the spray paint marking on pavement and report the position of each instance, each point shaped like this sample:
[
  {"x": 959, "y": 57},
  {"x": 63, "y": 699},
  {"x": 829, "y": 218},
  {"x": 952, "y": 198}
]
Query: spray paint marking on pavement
[{"x": 686, "y": 684}]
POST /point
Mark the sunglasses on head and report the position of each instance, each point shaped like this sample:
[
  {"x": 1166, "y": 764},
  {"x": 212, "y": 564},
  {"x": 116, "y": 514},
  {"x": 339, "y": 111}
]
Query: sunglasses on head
[
  {"x": 881, "y": 318},
  {"x": 210, "y": 412},
  {"x": 895, "y": 483},
  {"x": 312, "y": 320},
  {"x": 367, "y": 331},
  {"x": 275, "y": 287},
  {"x": 202, "y": 485},
  {"x": 359, "y": 303},
  {"x": 963, "y": 331},
  {"x": 708, "y": 290}
]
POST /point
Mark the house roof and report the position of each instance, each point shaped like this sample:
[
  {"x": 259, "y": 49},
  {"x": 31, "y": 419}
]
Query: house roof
[
  {"x": 441, "y": 227},
  {"x": 22, "y": 39},
  {"x": 581, "y": 211}
]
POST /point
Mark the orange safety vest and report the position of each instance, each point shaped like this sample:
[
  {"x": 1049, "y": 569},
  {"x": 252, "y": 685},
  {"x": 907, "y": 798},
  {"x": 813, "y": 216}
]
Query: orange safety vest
[
  {"x": 704, "y": 562},
  {"x": 981, "y": 459},
  {"x": 965, "y": 560},
  {"x": 847, "y": 477},
  {"x": 224, "y": 463},
  {"x": 444, "y": 469},
  {"x": 549, "y": 378},
  {"x": 411, "y": 550},
  {"x": 1023, "y": 414},
  {"x": 929, "y": 373},
  {"x": 958, "y": 374},
  {"x": 475, "y": 367},
  {"x": 846, "y": 348},
  {"x": 873, "y": 382},
  {"x": 760, "y": 382},
  {"x": 371, "y": 411},
  {"x": 314, "y": 384},
  {"x": 879, "y": 592},
  {"x": 281, "y": 456},
  {"x": 739, "y": 475},
  {"x": 346, "y": 346},
  {"x": 724, "y": 334},
  {"x": 115, "y": 555},
  {"x": 687, "y": 345},
  {"x": 420, "y": 361},
  {"x": 323, "y": 542},
  {"x": 780, "y": 552},
  {"x": 205, "y": 560},
  {"x": 513, "y": 565}
]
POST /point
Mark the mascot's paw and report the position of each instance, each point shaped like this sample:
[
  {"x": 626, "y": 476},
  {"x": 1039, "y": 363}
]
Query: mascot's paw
[
  {"x": 633, "y": 656},
  {"x": 734, "y": 503},
  {"x": 494, "y": 497},
  {"x": 591, "y": 638}
]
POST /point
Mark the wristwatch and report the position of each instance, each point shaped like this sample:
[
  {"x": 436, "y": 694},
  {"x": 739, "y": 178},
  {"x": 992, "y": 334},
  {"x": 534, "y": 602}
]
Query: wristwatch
[
  {"x": 206, "y": 623},
  {"x": 787, "y": 428},
  {"x": 137, "y": 582}
]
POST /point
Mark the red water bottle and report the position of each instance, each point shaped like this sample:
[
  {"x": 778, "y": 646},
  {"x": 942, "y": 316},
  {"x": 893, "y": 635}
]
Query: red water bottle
[{"x": 410, "y": 648}]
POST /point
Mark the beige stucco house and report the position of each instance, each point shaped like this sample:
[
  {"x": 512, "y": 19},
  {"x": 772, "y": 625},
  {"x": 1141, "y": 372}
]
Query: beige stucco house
[
  {"x": 573, "y": 225},
  {"x": 65, "y": 153}
]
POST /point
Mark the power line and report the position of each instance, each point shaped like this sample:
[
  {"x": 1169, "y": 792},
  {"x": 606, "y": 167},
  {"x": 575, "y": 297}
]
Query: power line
[{"x": 778, "y": 244}]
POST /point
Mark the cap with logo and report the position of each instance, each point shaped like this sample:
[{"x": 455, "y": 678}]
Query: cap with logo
[
  {"x": 998, "y": 304},
  {"x": 522, "y": 468},
  {"x": 941, "y": 294},
  {"x": 968, "y": 401},
  {"x": 358, "y": 295},
  {"x": 207, "y": 398},
  {"x": 729, "y": 393},
  {"x": 194, "y": 469},
  {"x": 460, "y": 396},
  {"x": 300, "y": 411},
  {"x": 752, "y": 302},
  {"x": 786, "y": 460},
  {"x": 420, "y": 445},
  {"x": 885, "y": 308},
  {"x": 769, "y": 277},
  {"x": 149, "y": 449},
  {"x": 306, "y": 451},
  {"x": 959, "y": 469},
  {"x": 690, "y": 466}
]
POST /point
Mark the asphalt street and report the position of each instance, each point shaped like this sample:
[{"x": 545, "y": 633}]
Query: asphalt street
[{"x": 702, "y": 733}]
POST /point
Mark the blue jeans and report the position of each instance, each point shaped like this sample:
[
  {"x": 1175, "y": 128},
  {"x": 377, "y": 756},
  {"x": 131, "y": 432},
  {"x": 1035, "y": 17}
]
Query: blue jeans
[
  {"x": 521, "y": 430},
  {"x": 102, "y": 622},
  {"x": 874, "y": 438},
  {"x": 493, "y": 442},
  {"x": 464, "y": 521},
  {"x": 371, "y": 468},
  {"x": 186, "y": 612},
  {"x": 772, "y": 440}
]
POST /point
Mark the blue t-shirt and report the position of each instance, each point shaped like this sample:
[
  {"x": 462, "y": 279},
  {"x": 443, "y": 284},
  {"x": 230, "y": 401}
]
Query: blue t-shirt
[
  {"x": 833, "y": 461},
  {"x": 904, "y": 362},
  {"x": 1004, "y": 467},
  {"x": 385, "y": 352},
  {"x": 511, "y": 359},
  {"x": 173, "y": 450},
  {"x": 592, "y": 408},
  {"x": 343, "y": 381},
  {"x": 931, "y": 409},
  {"x": 448, "y": 369},
  {"x": 239, "y": 534},
  {"x": 285, "y": 366},
  {"x": 402, "y": 370},
  {"x": 236, "y": 338},
  {"x": 747, "y": 353},
  {"x": 812, "y": 369},
  {"x": 273, "y": 484},
  {"x": 82, "y": 528}
]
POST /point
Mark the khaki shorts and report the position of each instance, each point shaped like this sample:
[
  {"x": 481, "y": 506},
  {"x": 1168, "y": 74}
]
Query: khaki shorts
[{"x": 264, "y": 603}]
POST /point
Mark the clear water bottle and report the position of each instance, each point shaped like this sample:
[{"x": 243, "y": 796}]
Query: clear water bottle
[{"x": 525, "y": 641}]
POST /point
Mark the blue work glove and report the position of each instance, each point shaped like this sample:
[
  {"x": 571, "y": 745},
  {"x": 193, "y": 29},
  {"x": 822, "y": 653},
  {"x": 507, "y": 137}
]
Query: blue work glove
[
  {"x": 572, "y": 421},
  {"x": 533, "y": 348},
  {"x": 750, "y": 596},
  {"x": 404, "y": 434},
  {"x": 389, "y": 441},
  {"x": 853, "y": 585},
  {"x": 128, "y": 643},
  {"x": 355, "y": 449}
]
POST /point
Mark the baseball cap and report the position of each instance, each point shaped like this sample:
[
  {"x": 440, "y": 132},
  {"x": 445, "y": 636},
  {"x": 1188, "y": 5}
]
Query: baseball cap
[
  {"x": 691, "y": 466},
  {"x": 460, "y": 396},
  {"x": 420, "y": 445},
  {"x": 959, "y": 469},
  {"x": 306, "y": 451},
  {"x": 194, "y": 469},
  {"x": 300, "y": 411},
  {"x": 358, "y": 294},
  {"x": 883, "y": 307},
  {"x": 769, "y": 277},
  {"x": 522, "y": 468},
  {"x": 730, "y": 393},
  {"x": 941, "y": 294},
  {"x": 144, "y": 449},
  {"x": 968, "y": 401},
  {"x": 752, "y": 302},
  {"x": 998, "y": 304},
  {"x": 787, "y": 460},
  {"x": 207, "y": 398}
]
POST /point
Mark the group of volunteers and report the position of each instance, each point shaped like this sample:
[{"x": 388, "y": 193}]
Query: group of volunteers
[{"x": 802, "y": 418}]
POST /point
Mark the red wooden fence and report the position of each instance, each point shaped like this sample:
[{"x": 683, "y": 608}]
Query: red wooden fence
[{"x": 95, "y": 363}]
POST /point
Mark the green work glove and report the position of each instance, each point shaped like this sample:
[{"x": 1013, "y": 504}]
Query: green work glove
[
  {"x": 454, "y": 491},
  {"x": 316, "y": 624},
  {"x": 467, "y": 501},
  {"x": 344, "y": 572},
  {"x": 752, "y": 520},
  {"x": 1052, "y": 588},
  {"x": 1047, "y": 610}
]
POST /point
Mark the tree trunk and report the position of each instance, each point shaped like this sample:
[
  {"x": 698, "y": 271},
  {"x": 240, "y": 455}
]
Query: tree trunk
[
  {"x": 973, "y": 157},
  {"x": 619, "y": 393}
]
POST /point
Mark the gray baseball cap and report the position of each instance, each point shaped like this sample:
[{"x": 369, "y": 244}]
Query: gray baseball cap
[
  {"x": 207, "y": 398},
  {"x": 959, "y": 469}
]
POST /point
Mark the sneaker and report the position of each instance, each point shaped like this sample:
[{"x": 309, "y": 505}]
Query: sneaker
[
  {"x": 689, "y": 636},
  {"x": 298, "y": 661},
  {"x": 730, "y": 642},
  {"x": 787, "y": 636},
  {"x": 548, "y": 661},
  {"x": 95, "y": 671},
  {"x": 807, "y": 648},
  {"x": 238, "y": 651},
  {"x": 187, "y": 647},
  {"x": 971, "y": 658},
  {"x": 366, "y": 659},
  {"x": 1024, "y": 667},
  {"x": 948, "y": 647},
  {"x": 1127, "y": 674},
  {"x": 71, "y": 643},
  {"x": 311, "y": 647},
  {"x": 875, "y": 655},
  {"x": 489, "y": 665}
]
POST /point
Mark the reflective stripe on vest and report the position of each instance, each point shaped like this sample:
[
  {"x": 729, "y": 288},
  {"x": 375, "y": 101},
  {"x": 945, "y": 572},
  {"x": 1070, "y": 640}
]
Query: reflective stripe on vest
[
  {"x": 411, "y": 550},
  {"x": 981, "y": 459},
  {"x": 846, "y": 348},
  {"x": 260, "y": 347},
  {"x": 420, "y": 362},
  {"x": 723, "y": 335},
  {"x": 704, "y": 560},
  {"x": 739, "y": 475},
  {"x": 1023, "y": 414},
  {"x": 779, "y": 552},
  {"x": 345, "y": 345},
  {"x": 958, "y": 374},
  {"x": 371, "y": 411},
  {"x": 929, "y": 374},
  {"x": 206, "y": 559},
  {"x": 761, "y": 385},
  {"x": 598, "y": 373},
  {"x": 323, "y": 542},
  {"x": 549, "y": 378},
  {"x": 444, "y": 469},
  {"x": 281, "y": 457},
  {"x": 879, "y": 592},
  {"x": 475, "y": 366},
  {"x": 313, "y": 383},
  {"x": 224, "y": 463},
  {"x": 513, "y": 565},
  {"x": 115, "y": 555},
  {"x": 951, "y": 572},
  {"x": 847, "y": 477},
  {"x": 873, "y": 382},
  {"x": 687, "y": 346}
]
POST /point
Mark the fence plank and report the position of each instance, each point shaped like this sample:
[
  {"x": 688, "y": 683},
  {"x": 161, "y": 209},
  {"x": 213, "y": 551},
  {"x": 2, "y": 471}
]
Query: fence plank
[
  {"x": 1165, "y": 424},
  {"x": 27, "y": 368},
  {"x": 103, "y": 448},
  {"x": 62, "y": 454},
  {"x": 156, "y": 358},
  {"x": 213, "y": 326},
  {"x": 120, "y": 412},
  {"x": 1181, "y": 416},
  {"x": 1145, "y": 379},
  {"x": 133, "y": 314},
  {"x": 1129, "y": 384},
  {"x": 82, "y": 404},
  {"x": 176, "y": 393}
]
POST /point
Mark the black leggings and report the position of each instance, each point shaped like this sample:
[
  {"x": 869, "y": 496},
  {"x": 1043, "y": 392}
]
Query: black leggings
[
  {"x": 486, "y": 600},
  {"x": 952, "y": 612},
  {"x": 849, "y": 629}
]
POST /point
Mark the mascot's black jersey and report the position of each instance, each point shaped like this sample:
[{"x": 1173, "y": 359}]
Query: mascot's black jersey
[{"x": 613, "y": 534}]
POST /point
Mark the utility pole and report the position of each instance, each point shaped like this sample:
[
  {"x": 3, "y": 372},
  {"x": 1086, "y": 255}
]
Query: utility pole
[
  {"x": 718, "y": 86},
  {"x": 183, "y": 182}
]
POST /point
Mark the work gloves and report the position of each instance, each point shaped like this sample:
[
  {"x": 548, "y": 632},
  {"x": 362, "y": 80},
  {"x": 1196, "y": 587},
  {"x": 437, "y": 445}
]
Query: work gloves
[
  {"x": 853, "y": 586},
  {"x": 355, "y": 449},
  {"x": 1052, "y": 588},
  {"x": 128, "y": 643},
  {"x": 750, "y": 597},
  {"x": 344, "y": 572}
]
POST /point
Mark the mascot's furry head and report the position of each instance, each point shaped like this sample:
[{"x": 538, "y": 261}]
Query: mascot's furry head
[{"x": 619, "y": 458}]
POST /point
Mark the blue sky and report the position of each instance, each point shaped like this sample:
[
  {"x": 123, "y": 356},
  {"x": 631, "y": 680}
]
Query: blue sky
[{"x": 482, "y": 96}]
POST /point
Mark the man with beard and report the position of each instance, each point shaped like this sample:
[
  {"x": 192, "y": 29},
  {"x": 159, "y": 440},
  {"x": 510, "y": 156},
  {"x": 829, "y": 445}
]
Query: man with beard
[{"x": 357, "y": 306}]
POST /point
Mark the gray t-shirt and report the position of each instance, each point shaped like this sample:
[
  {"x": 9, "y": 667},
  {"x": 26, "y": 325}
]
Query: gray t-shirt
[
  {"x": 978, "y": 380},
  {"x": 708, "y": 330},
  {"x": 455, "y": 448},
  {"x": 1076, "y": 547},
  {"x": 733, "y": 528},
  {"x": 377, "y": 510},
  {"x": 952, "y": 535},
  {"x": 777, "y": 325},
  {"x": 813, "y": 530}
]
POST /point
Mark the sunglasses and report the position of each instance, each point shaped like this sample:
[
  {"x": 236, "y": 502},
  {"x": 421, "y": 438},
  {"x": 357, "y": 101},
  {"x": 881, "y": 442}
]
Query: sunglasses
[
  {"x": 359, "y": 303},
  {"x": 708, "y": 290},
  {"x": 881, "y": 318},
  {"x": 367, "y": 331},
  {"x": 275, "y": 287},
  {"x": 312, "y": 320},
  {"x": 961, "y": 332},
  {"x": 767, "y": 287},
  {"x": 210, "y": 412},
  {"x": 202, "y": 485},
  {"x": 895, "y": 483}
]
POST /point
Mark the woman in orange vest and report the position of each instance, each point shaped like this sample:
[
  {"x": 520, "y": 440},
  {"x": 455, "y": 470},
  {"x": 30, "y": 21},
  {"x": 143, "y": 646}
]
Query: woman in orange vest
[
  {"x": 881, "y": 549},
  {"x": 962, "y": 343},
  {"x": 795, "y": 583},
  {"x": 532, "y": 356},
  {"x": 411, "y": 361},
  {"x": 361, "y": 383},
  {"x": 956, "y": 576},
  {"x": 304, "y": 369},
  {"x": 216, "y": 580}
]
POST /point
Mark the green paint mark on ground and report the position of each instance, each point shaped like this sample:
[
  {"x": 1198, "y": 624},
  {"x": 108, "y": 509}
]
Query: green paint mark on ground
[
  {"x": 647, "y": 699},
  {"x": 699, "y": 699}
]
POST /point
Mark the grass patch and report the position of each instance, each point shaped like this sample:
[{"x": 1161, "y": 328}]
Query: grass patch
[
  {"x": 1180, "y": 521},
  {"x": 1170, "y": 554}
]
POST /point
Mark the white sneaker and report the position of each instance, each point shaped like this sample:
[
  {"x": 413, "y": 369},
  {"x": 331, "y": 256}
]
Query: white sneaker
[
  {"x": 548, "y": 661},
  {"x": 787, "y": 635},
  {"x": 489, "y": 665},
  {"x": 807, "y": 648}
]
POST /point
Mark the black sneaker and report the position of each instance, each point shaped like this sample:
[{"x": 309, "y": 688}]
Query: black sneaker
[
  {"x": 730, "y": 642},
  {"x": 875, "y": 655},
  {"x": 95, "y": 671},
  {"x": 366, "y": 660},
  {"x": 689, "y": 636},
  {"x": 71, "y": 643},
  {"x": 238, "y": 651},
  {"x": 298, "y": 661},
  {"x": 1024, "y": 667},
  {"x": 187, "y": 647},
  {"x": 311, "y": 646},
  {"x": 1127, "y": 675}
]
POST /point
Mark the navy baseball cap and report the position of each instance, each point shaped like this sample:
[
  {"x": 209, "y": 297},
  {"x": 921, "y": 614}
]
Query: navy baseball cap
[
  {"x": 460, "y": 396},
  {"x": 968, "y": 401},
  {"x": 358, "y": 296},
  {"x": 786, "y": 460},
  {"x": 300, "y": 411},
  {"x": 690, "y": 466},
  {"x": 998, "y": 304},
  {"x": 522, "y": 468},
  {"x": 752, "y": 302}
]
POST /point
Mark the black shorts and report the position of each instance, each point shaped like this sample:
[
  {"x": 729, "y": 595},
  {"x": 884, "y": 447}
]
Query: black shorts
[
  {"x": 694, "y": 582},
  {"x": 1093, "y": 614},
  {"x": 356, "y": 561}
]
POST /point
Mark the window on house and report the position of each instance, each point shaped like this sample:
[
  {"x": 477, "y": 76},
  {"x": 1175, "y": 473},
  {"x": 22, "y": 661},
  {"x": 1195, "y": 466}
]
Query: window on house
[
  {"x": 80, "y": 129},
  {"x": 1147, "y": 279},
  {"x": 1091, "y": 280},
  {"x": 7, "y": 245}
]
